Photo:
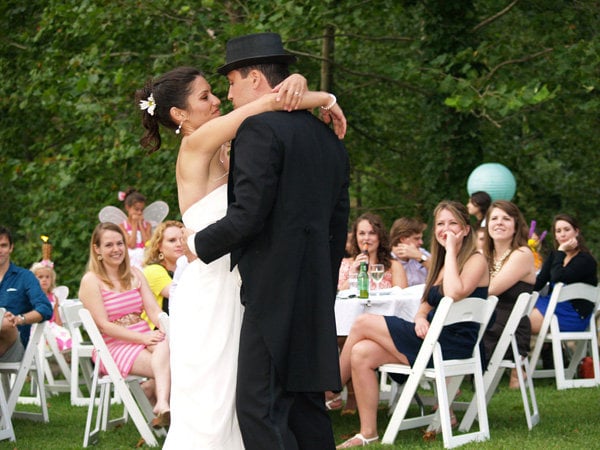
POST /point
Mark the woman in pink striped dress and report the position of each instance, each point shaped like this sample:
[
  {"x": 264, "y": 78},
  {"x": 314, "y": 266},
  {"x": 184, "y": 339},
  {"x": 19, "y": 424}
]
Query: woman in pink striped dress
[{"x": 116, "y": 294}]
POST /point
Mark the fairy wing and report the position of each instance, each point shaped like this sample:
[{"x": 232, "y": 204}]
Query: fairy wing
[
  {"x": 112, "y": 214},
  {"x": 156, "y": 212},
  {"x": 61, "y": 293}
]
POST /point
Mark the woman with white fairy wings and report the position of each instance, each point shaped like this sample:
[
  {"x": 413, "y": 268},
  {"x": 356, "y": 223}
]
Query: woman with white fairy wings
[{"x": 206, "y": 311}]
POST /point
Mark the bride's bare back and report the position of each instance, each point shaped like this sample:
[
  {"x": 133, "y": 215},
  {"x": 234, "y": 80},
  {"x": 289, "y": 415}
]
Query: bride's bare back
[{"x": 199, "y": 174}]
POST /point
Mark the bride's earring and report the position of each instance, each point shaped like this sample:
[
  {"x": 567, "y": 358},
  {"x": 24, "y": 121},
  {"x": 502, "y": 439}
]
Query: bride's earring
[{"x": 178, "y": 130}]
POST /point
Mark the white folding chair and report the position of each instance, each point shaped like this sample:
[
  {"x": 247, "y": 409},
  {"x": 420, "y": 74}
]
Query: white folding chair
[
  {"x": 6, "y": 427},
  {"x": 50, "y": 351},
  {"x": 14, "y": 374},
  {"x": 136, "y": 404},
  {"x": 448, "y": 312},
  {"x": 81, "y": 352},
  {"x": 498, "y": 364},
  {"x": 550, "y": 332}
]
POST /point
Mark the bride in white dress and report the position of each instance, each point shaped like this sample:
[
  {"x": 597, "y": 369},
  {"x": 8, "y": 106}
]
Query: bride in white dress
[{"x": 206, "y": 312}]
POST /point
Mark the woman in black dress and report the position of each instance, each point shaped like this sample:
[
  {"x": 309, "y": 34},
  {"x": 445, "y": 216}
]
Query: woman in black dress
[
  {"x": 512, "y": 272},
  {"x": 571, "y": 262},
  {"x": 457, "y": 271}
]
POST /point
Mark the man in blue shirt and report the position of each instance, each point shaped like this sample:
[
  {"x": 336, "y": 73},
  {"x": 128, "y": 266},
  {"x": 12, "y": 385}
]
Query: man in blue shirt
[{"x": 23, "y": 299}]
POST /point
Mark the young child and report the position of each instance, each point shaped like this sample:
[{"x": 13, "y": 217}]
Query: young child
[
  {"x": 137, "y": 230},
  {"x": 44, "y": 272}
]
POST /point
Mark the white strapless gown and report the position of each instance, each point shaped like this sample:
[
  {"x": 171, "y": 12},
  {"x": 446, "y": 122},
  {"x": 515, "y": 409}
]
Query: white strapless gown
[{"x": 206, "y": 316}]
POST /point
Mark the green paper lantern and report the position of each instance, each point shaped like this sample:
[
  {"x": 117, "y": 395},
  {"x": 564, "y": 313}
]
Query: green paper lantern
[{"x": 493, "y": 178}]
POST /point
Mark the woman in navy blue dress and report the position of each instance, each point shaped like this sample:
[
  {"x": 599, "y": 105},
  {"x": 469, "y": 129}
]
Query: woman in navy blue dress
[{"x": 458, "y": 271}]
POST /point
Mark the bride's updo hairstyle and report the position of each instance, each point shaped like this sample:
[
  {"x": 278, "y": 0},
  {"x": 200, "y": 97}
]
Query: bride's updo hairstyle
[{"x": 157, "y": 98}]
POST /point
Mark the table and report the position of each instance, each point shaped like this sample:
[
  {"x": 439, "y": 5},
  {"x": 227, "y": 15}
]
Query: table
[{"x": 393, "y": 302}]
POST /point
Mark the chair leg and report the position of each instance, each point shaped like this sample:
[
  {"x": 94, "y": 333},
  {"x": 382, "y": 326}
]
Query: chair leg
[{"x": 532, "y": 415}]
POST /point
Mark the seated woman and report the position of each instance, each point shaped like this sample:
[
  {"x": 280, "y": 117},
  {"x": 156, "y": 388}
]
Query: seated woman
[
  {"x": 571, "y": 262},
  {"x": 458, "y": 271},
  {"x": 369, "y": 242},
  {"x": 116, "y": 294},
  {"x": 512, "y": 272},
  {"x": 164, "y": 248}
]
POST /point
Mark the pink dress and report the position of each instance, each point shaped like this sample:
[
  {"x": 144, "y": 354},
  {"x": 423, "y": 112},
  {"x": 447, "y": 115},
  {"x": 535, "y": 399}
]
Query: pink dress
[{"x": 119, "y": 304}]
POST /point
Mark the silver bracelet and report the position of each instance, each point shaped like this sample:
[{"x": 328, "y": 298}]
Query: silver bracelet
[{"x": 332, "y": 104}]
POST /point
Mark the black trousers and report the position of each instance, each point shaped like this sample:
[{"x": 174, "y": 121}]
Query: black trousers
[{"x": 270, "y": 417}]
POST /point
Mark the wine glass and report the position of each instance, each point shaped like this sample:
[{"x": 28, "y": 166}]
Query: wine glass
[{"x": 376, "y": 271}]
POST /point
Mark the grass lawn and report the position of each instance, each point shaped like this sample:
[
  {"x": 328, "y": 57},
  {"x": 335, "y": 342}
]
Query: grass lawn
[{"x": 569, "y": 420}]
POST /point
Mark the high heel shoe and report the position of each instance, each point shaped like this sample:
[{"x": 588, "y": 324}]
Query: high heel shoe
[{"x": 162, "y": 420}]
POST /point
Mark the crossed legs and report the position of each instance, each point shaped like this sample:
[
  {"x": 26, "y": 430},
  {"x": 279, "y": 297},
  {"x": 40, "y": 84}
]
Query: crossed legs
[{"x": 368, "y": 346}]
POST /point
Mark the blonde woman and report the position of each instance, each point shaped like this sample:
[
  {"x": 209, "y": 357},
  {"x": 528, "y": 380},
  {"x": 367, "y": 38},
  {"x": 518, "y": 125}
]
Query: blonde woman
[
  {"x": 116, "y": 294},
  {"x": 163, "y": 250}
]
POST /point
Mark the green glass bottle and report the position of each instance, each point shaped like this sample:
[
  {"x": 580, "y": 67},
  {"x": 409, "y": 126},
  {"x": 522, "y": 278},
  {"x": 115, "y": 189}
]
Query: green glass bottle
[{"x": 363, "y": 281}]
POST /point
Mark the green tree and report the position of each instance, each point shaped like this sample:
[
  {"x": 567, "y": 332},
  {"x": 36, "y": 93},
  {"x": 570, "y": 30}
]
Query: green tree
[{"x": 431, "y": 90}]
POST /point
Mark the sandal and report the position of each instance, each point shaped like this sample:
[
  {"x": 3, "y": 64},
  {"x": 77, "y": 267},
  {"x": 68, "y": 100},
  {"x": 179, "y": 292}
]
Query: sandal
[
  {"x": 162, "y": 420},
  {"x": 430, "y": 435},
  {"x": 346, "y": 411},
  {"x": 334, "y": 404},
  {"x": 358, "y": 440}
]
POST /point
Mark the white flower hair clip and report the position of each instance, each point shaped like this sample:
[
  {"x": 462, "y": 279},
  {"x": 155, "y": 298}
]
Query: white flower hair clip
[{"x": 149, "y": 105}]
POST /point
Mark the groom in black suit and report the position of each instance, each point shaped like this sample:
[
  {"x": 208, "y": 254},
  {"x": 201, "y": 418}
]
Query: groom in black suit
[{"x": 286, "y": 229}]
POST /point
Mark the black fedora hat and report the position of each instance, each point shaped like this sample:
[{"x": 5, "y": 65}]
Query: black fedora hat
[{"x": 251, "y": 49}]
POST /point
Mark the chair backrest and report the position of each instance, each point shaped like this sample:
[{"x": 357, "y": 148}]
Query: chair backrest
[
  {"x": 448, "y": 312},
  {"x": 584, "y": 291},
  {"x": 519, "y": 310},
  {"x": 471, "y": 309},
  {"x": 69, "y": 312}
]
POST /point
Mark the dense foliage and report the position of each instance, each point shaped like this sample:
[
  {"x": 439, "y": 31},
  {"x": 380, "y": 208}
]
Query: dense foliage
[{"x": 431, "y": 89}]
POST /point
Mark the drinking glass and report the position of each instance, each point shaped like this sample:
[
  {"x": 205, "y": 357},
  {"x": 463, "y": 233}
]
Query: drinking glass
[
  {"x": 353, "y": 283},
  {"x": 376, "y": 271}
]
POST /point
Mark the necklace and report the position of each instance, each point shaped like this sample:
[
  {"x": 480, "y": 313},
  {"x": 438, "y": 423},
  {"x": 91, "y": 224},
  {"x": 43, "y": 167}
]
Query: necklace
[
  {"x": 221, "y": 176},
  {"x": 498, "y": 263}
]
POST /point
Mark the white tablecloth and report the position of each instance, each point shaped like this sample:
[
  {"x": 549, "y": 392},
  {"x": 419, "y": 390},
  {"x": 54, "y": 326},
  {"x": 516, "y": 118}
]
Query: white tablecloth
[{"x": 393, "y": 302}]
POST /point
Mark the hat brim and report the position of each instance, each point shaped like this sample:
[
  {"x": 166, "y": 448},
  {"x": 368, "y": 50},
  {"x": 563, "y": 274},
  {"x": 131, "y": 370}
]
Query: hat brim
[{"x": 271, "y": 59}]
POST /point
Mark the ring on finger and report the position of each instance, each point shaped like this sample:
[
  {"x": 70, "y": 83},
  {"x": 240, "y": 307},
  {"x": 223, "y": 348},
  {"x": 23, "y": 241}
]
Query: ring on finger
[{"x": 297, "y": 93}]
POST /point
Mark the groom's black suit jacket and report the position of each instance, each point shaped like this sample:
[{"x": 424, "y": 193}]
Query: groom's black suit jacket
[{"x": 286, "y": 228}]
